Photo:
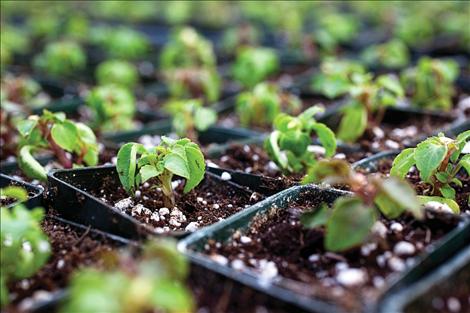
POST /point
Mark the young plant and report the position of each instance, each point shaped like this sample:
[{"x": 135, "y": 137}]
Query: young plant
[
  {"x": 61, "y": 59},
  {"x": 439, "y": 160},
  {"x": 393, "y": 54},
  {"x": 189, "y": 66},
  {"x": 14, "y": 39},
  {"x": 190, "y": 117},
  {"x": 288, "y": 145},
  {"x": 21, "y": 93},
  {"x": 253, "y": 65},
  {"x": 55, "y": 133},
  {"x": 239, "y": 36},
  {"x": 431, "y": 83},
  {"x": 368, "y": 101},
  {"x": 136, "y": 165},
  {"x": 125, "y": 43},
  {"x": 335, "y": 77},
  {"x": 113, "y": 107},
  {"x": 25, "y": 247},
  {"x": 155, "y": 282},
  {"x": 348, "y": 223},
  {"x": 335, "y": 29},
  {"x": 260, "y": 106},
  {"x": 415, "y": 30},
  {"x": 117, "y": 72}
]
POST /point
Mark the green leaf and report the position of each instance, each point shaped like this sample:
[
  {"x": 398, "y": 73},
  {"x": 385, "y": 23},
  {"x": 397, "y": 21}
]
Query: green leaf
[
  {"x": 326, "y": 137},
  {"x": 148, "y": 171},
  {"x": 177, "y": 164},
  {"x": 349, "y": 224},
  {"x": 465, "y": 163},
  {"x": 65, "y": 135},
  {"x": 329, "y": 171},
  {"x": 204, "y": 118},
  {"x": 428, "y": 155},
  {"x": 403, "y": 162},
  {"x": 391, "y": 83},
  {"x": 126, "y": 164},
  {"x": 274, "y": 151},
  {"x": 316, "y": 218},
  {"x": 28, "y": 164},
  {"x": 387, "y": 206},
  {"x": 462, "y": 137},
  {"x": 451, "y": 203},
  {"x": 353, "y": 123},
  {"x": 442, "y": 177},
  {"x": 448, "y": 192},
  {"x": 196, "y": 165},
  {"x": 15, "y": 192},
  {"x": 26, "y": 126},
  {"x": 402, "y": 194}
]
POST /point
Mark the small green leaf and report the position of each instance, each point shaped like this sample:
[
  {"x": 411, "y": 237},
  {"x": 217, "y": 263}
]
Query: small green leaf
[
  {"x": 403, "y": 162},
  {"x": 316, "y": 218},
  {"x": 196, "y": 165},
  {"x": 329, "y": 171},
  {"x": 204, "y": 118},
  {"x": 349, "y": 224},
  {"x": 177, "y": 164},
  {"x": 387, "y": 206},
  {"x": 65, "y": 135},
  {"x": 28, "y": 164},
  {"x": 326, "y": 137},
  {"x": 428, "y": 155},
  {"x": 353, "y": 123},
  {"x": 15, "y": 192},
  {"x": 26, "y": 126},
  {"x": 400, "y": 192},
  {"x": 451, "y": 203},
  {"x": 126, "y": 164},
  {"x": 147, "y": 172},
  {"x": 465, "y": 163},
  {"x": 448, "y": 192}
]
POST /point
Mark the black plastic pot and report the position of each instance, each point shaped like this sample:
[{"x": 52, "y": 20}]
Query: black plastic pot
[
  {"x": 193, "y": 246},
  {"x": 35, "y": 192},
  {"x": 419, "y": 291},
  {"x": 68, "y": 195}
]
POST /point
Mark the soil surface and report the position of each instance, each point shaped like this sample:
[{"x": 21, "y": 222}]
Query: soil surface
[
  {"x": 71, "y": 249},
  {"x": 211, "y": 201},
  {"x": 276, "y": 246},
  {"x": 450, "y": 296}
]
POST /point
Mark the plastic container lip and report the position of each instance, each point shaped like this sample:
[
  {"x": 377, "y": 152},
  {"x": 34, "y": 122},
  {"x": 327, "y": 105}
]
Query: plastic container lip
[{"x": 37, "y": 191}]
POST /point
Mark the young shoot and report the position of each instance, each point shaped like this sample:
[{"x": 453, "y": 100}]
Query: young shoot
[
  {"x": 439, "y": 160},
  {"x": 393, "y": 54},
  {"x": 431, "y": 83},
  {"x": 253, "y": 65},
  {"x": 189, "y": 66},
  {"x": 136, "y": 165},
  {"x": 260, "y": 106},
  {"x": 125, "y": 43},
  {"x": 113, "y": 107},
  {"x": 154, "y": 282},
  {"x": 21, "y": 93},
  {"x": 335, "y": 29},
  {"x": 368, "y": 101},
  {"x": 25, "y": 247},
  {"x": 288, "y": 145},
  {"x": 61, "y": 59},
  {"x": 117, "y": 72},
  {"x": 335, "y": 77},
  {"x": 349, "y": 221},
  {"x": 72, "y": 143},
  {"x": 190, "y": 117}
]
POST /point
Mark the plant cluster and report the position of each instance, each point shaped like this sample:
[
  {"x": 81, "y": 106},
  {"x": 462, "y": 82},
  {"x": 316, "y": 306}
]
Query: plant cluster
[
  {"x": 260, "y": 106},
  {"x": 393, "y": 54},
  {"x": 349, "y": 221},
  {"x": 25, "y": 247},
  {"x": 123, "y": 43},
  {"x": 19, "y": 93},
  {"x": 136, "y": 165},
  {"x": 117, "y": 72},
  {"x": 253, "y": 65},
  {"x": 439, "y": 160},
  {"x": 288, "y": 144},
  {"x": 55, "y": 133}
]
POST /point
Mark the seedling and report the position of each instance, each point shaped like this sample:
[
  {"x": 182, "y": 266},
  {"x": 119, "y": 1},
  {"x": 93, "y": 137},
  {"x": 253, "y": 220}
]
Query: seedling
[
  {"x": 253, "y": 65},
  {"x": 125, "y": 43},
  {"x": 439, "y": 160},
  {"x": 431, "y": 83},
  {"x": 239, "y": 36},
  {"x": 414, "y": 29},
  {"x": 25, "y": 247},
  {"x": 20, "y": 93},
  {"x": 15, "y": 40},
  {"x": 190, "y": 117},
  {"x": 55, "y": 133},
  {"x": 155, "y": 282},
  {"x": 366, "y": 106},
  {"x": 136, "y": 165},
  {"x": 117, "y": 72},
  {"x": 113, "y": 107},
  {"x": 260, "y": 106},
  {"x": 393, "y": 54},
  {"x": 335, "y": 77},
  {"x": 335, "y": 29},
  {"x": 288, "y": 144},
  {"x": 61, "y": 59},
  {"x": 188, "y": 64},
  {"x": 348, "y": 223}
]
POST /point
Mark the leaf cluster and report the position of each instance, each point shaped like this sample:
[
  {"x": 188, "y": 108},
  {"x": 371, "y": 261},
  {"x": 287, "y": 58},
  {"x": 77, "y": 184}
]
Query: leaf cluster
[
  {"x": 117, "y": 72},
  {"x": 393, "y": 54},
  {"x": 253, "y": 65}
]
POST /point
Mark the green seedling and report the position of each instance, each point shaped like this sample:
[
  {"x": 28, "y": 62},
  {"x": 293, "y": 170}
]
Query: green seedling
[
  {"x": 190, "y": 117},
  {"x": 366, "y": 106},
  {"x": 431, "y": 83},
  {"x": 19, "y": 94},
  {"x": 136, "y": 165},
  {"x": 61, "y": 59},
  {"x": 288, "y": 144},
  {"x": 439, "y": 160},
  {"x": 349, "y": 221},
  {"x": 25, "y": 247},
  {"x": 55, "y": 133},
  {"x": 393, "y": 54},
  {"x": 260, "y": 106},
  {"x": 253, "y": 65},
  {"x": 117, "y": 72},
  {"x": 113, "y": 108},
  {"x": 124, "y": 43}
]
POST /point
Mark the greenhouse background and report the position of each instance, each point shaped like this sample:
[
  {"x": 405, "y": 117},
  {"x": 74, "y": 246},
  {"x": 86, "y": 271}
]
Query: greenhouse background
[{"x": 235, "y": 156}]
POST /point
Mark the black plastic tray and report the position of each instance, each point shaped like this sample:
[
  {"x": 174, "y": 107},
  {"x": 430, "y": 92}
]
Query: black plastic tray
[{"x": 35, "y": 191}]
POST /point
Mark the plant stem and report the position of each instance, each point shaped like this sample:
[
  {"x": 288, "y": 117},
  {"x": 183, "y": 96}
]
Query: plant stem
[{"x": 168, "y": 195}]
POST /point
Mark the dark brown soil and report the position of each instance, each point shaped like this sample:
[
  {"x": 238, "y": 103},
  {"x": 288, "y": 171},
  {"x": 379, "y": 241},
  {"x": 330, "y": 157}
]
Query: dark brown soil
[
  {"x": 280, "y": 238},
  {"x": 450, "y": 296},
  {"x": 212, "y": 200},
  {"x": 71, "y": 249}
]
